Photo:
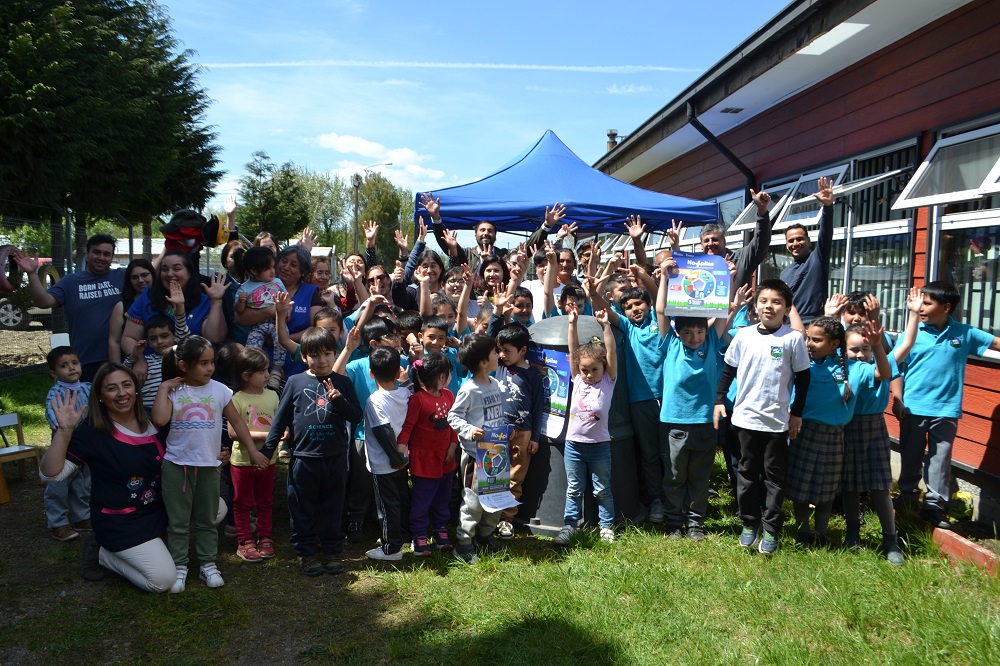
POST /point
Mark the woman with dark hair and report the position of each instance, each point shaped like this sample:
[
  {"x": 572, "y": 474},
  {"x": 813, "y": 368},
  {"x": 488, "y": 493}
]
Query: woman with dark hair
[
  {"x": 138, "y": 276},
  {"x": 232, "y": 259},
  {"x": 178, "y": 293},
  {"x": 406, "y": 294},
  {"x": 293, "y": 267},
  {"x": 124, "y": 454},
  {"x": 266, "y": 239},
  {"x": 492, "y": 277}
]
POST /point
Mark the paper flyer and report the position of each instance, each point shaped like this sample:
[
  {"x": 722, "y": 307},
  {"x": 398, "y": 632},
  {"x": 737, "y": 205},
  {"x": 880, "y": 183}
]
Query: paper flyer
[
  {"x": 700, "y": 287},
  {"x": 493, "y": 469},
  {"x": 554, "y": 366}
]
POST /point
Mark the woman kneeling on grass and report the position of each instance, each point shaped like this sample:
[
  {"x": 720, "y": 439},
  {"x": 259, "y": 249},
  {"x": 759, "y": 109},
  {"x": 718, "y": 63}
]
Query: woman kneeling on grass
[{"x": 121, "y": 447}]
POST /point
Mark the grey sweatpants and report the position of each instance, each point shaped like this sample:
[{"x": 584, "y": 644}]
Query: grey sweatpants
[
  {"x": 473, "y": 520},
  {"x": 688, "y": 456}
]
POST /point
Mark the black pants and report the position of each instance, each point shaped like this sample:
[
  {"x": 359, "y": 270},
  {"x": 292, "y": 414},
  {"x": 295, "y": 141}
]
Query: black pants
[
  {"x": 316, "y": 489},
  {"x": 392, "y": 501},
  {"x": 767, "y": 451},
  {"x": 359, "y": 485}
]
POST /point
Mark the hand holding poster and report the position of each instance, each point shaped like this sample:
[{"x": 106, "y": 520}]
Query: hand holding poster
[
  {"x": 493, "y": 469},
  {"x": 700, "y": 287},
  {"x": 554, "y": 366}
]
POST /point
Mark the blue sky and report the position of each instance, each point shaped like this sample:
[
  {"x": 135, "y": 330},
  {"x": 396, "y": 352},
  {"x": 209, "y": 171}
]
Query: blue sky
[{"x": 446, "y": 91}]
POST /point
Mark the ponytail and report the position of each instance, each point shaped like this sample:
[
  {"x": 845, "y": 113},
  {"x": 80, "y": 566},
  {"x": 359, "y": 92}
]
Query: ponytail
[
  {"x": 429, "y": 368},
  {"x": 834, "y": 330}
]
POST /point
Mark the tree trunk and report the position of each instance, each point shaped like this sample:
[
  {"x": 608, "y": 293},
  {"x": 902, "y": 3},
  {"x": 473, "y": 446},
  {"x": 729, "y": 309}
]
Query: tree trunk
[
  {"x": 59, "y": 244},
  {"x": 81, "y": 240},
  {"x": 147, "y": 236}
]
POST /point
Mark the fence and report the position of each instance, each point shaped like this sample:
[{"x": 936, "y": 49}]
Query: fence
[{"x": 25, "y": 329}]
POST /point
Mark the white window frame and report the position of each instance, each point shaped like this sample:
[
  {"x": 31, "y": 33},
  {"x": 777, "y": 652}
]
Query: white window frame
[
  {"x": 847, "y": 189},
  {"x": 747, "y": 220},
  {"x": 988, "y": 185},
  {"x": 782, "y": 221}
]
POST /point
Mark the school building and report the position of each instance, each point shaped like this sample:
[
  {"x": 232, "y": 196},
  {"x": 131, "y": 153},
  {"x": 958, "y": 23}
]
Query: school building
[{"x": 897, "y": 101}]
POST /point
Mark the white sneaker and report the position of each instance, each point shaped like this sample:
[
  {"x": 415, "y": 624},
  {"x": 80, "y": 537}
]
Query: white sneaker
[
  {"x": 656, "y": 511},
  {"x": 505, "y": 530},
  {"x": 565, "y": 535},
  {"x": 607, "y": 535},
  {"x": 209, "y": 573},
  {"x": 182, "y": 574},
  {"x": 379, "y": 554}
]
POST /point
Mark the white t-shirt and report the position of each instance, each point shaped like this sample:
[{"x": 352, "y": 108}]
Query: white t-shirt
[
  {"x": 195, "y": 437},
  {"x": 384, "y": 408},
  {"x": 766, "y": 364}
]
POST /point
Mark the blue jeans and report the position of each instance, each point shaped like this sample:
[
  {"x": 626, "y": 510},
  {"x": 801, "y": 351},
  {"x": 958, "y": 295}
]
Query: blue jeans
[{"x": 595, "y": 459}]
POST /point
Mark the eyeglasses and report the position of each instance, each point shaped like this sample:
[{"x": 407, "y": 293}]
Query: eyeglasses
[
  {"x": 391, "y": 336},
  {"x": 375, "y": 278},
  {"x": 455, "y": 281}
]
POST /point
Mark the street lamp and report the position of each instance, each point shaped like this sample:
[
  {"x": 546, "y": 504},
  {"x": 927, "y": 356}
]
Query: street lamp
[{"x": 356, "y": 183}]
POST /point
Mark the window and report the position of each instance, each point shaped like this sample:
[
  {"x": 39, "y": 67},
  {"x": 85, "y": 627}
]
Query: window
[
  {"x": 880, "y": 263},
  {"x": 874, "y": 204},
  {"x": 969, "y": 258},
  {"x": 747, "y": 219},
  {"x": 963, "y": 167},
  {"x": 803, "y": 208}
]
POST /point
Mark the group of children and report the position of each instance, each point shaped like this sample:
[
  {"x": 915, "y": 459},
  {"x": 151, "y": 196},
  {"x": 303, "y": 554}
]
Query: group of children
[{"x": 395, "y": 410}]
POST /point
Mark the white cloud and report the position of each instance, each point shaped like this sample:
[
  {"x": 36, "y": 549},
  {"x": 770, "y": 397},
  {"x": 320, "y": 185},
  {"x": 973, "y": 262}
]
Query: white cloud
[
  {"x": 413, "y": 177},
  {"x": 395, "y": 64},
  {"x": 628, "y": 89},
  {"x": 355, "y": 145}
]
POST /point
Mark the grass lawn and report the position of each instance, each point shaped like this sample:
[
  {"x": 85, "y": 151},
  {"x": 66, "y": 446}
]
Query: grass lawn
[{"x": 642, "y": 600}]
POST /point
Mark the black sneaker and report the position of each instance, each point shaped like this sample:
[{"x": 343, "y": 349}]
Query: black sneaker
[
  {"x": 90, "y": 565},
  {"x": 489, "y": 544},
  {"x": 311, "y": 566},
  {"x": 675, "y": 533},
  {"x": 696, "y": 533},
  {"x": 441, "y": 539},
  {"x": 420, "y": 547},
  {"x": 355, "y": 532},
  {"x": 333, "y": 566},
  {"x": 466, "y": 552},
  {"x": 936, "y": 518}
]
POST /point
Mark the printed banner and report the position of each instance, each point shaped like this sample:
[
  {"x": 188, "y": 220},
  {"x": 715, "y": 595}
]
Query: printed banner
[
  {"x": 700, "y": 287},
  {"x": 554, "y": 366},
  {"x": 493, "y": 469}
]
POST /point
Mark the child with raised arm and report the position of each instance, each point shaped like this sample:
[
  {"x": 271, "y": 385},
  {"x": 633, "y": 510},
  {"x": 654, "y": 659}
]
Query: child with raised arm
[
  {"x": 816, "y": 456},
  {"x": 933, "y": 382},
  {"x": 386, "y": 460},
  {"x": 67, "y": 501},
  {"x": 317, "y": 405},
  {"x": 765, "y": 360},
  {"x": 478, "y": 405},
  {"x": 594, "y": 367},
  {"x": 691, "y": 370}
]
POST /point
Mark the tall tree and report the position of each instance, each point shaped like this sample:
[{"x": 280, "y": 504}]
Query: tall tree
[
  {"x": 381, "y": 201},
  {"x": 273, "y": 199},
  {"x": 327, "y": 197}
]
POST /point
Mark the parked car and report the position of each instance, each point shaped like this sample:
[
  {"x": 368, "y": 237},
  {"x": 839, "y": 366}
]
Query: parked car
[{"x": 16, "y": 308}]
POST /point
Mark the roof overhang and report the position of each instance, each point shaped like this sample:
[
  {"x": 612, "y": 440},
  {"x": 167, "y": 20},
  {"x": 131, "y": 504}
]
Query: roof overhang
[{"x": 806, "y": 43}]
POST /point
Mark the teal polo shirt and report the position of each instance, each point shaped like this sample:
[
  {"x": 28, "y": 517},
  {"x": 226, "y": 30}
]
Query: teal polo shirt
[
  {"x": 935, "y": 369},
  {"x": 825, "y": 401},
  {"x": 690, "y": 379},
  {"x": 873, "y": 397},
  {"x": 644, "y": 351}
]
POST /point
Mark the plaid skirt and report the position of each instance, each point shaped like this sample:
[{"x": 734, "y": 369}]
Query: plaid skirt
[
  {"x": 866, "y": 454},
  {"x": 815, "y": 463}
]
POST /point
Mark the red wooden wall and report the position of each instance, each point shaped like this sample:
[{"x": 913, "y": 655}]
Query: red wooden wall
[{"x": 945, "y": 73}]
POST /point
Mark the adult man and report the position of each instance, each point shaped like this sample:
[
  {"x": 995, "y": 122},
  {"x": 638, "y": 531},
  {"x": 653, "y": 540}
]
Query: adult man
[
  {"x": 88, "y": 296},
  {"x": 808, "y": 274},
  {"x": 747, "y": 258}
]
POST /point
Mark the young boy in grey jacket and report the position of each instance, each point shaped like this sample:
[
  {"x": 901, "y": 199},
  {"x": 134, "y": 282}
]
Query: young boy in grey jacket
[{"x": 478, "y": 405}]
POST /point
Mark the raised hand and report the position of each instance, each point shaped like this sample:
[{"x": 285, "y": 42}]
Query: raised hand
[
  {"x": 353, "y": 338},
  {"x": 486, "y": 250},
  {"x": 667, "y": 267},
  {"x": 602, "y": 317},
  {"x": 230, "y": 206},
  {"x": 873, "y": 333},
  {"x": 635, "y": 227},
  {"x": 550, "y": 252},
  {"x": 566, "y": 230},
  {"x": 914, "y": 300},
  {"x": 176, "y": 298},
  {"x": 872, "y": 307},
  {"x": 402, "y": 240},
  {"x": 761, "y": 199},
  {"x": 282, "y": 305},
  {"x": 66, "y": 412},
  {"x": 674, "y": 233},
  {"x": 835, "y": 305},
  {"x": 217, "y": 289},
  {"x": 331, "y": 393},
  {"x": 168, "y": 385},
  {"x": 431, "y": 205},
  {"x": 371, "y": 232},
  {"x": 732, "y": 268},
  {"x": 742, "y": 296},
  {"x": 571, "y": 314},
  {"x": 421, "y": 230},
  {"x": 554, "y": 215},
  {"x": 450, "y": 241},
  {"x": 26, "y": 263},
  {"x": 421, "y": 275},
  {"x": 825, "y": 194},
  {"x": 397, "y": 275},
  {"x": 138, "y": 351},
  {"x": 307, "y": 240}
]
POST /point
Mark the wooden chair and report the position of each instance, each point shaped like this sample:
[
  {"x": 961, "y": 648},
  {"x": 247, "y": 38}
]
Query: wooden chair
[{"x": 20, "y": 452}]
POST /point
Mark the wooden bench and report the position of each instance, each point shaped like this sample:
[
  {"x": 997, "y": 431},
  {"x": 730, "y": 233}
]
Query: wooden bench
[{"x": 20, "y": 452}]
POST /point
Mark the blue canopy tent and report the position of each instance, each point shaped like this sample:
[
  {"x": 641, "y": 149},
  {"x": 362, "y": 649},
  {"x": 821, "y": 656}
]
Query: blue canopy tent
[{"x": 514, "y": 197}]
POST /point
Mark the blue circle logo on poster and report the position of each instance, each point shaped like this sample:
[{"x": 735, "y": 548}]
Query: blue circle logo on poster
[
  {"x": 495, "y": 460},
  {"x": 698, "y": 284}
]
